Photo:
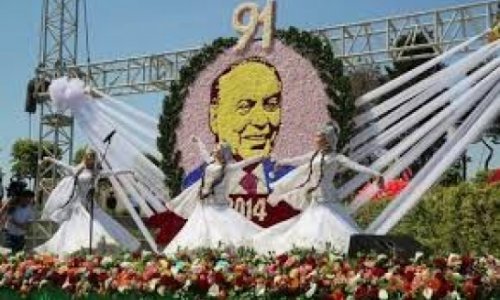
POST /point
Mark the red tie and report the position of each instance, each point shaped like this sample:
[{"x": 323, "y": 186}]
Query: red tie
[{"x": 249, "y": 182}]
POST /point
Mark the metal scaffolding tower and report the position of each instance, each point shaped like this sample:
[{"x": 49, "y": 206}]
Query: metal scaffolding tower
[{"x": 58, "y": 53}]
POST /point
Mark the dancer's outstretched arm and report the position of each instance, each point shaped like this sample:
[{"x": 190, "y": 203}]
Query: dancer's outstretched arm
[
  {"x": 65, "y": 167},
  {"x": 244, "y": 163},
  {"x": 345, "y": 161},
  {"x": 115, "y": 173},
  {"x": 205, "y": 155},
  {"x": 295, "y": 161}
]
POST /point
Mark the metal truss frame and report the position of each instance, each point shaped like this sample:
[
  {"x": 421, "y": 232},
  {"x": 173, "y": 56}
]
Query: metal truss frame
[
  {"x": 374, "y": 42},
  {"x": 357, "y": 44}
]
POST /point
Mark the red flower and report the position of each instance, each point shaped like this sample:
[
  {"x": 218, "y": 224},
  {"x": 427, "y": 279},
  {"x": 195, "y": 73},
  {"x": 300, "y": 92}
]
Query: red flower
[
  {"x": 168, "y": 281},
  {"x": 440, "y": 263},
  {"x": 282, "y": 259},
  {"x": 239, "y": 281},
  {"x": 378, "y": 272},
  {"x": 409, "y": 275},
  {"x": 56, "y": 278},
  {"x": 439, "y": 285},
  {"x": 361, "y": 292},
  {"x": 310, "y": 261},
  {"x": 202, "y": 282},
  {"x": 219, "y": 278},
  {"x": 150, "y": 272},
  {"x": 467, "y": 264},
  {"x": 470, "y": 289},
  {"x": 494, "y": 177},
  {"x": 337, "y": 295}
]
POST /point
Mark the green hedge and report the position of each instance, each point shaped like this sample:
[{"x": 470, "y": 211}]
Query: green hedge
[
  {"x": 459, "y": 219},
  {"x": 50, "y": 293}
]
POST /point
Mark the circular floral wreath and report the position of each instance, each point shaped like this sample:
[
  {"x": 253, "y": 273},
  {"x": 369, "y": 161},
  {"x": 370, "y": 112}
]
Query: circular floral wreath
[{"x": 315, "y": 49}]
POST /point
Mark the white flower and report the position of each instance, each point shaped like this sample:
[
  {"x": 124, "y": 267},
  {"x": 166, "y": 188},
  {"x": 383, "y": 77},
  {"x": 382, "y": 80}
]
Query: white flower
[
  {"x": 311, "y": 290},
  {"x": 161, "y": 290},
  {"x": 388, "y": 275},
  {"x": 381, "y": 257},
  {"x": 187, "y": 284},
  {"x": 107, "y": 283},
  {"x": 123, "y": 288},
  {"x": 214, "y": 290},
  {"x": 352, "y": 281},
  {"x": 418, "y": 255},
  {"x": 106, "y": 261},
  {"x": 455, "y": 295},
  {"x": 454, "y": 260},
  {"x": 382, "y": 294},
  {"x": 125, "y": 264},
  {"x": 146, "y": 254},
  {"x": 152, "y": 284},
  {"x": 427, "y": 293},
  {"x": 457, "y": 276},
  {"x": 260, "y": 290}
]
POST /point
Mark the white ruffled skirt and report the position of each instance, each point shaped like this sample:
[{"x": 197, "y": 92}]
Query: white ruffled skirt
[
  {"x": 73, "y": 234},
  {"x": 212, "y": 225},
  {"x": 322, "y": 226}
]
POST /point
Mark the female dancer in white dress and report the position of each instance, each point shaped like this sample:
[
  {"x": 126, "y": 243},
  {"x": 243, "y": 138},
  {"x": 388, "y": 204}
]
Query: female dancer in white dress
[
  {"x": 67, "y": 205},
  {"x": 211, "y": 221},
  {"x": 323, "y": 224}
]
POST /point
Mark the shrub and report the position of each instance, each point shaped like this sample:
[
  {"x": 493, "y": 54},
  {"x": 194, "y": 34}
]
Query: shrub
[{"x": 458, "y": 219}]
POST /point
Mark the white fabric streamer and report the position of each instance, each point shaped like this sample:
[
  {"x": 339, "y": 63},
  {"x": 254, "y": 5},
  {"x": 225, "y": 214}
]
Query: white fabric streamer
[
  {"x": 469, "y": 87},
  {"x": 394, "y": 84},
  {"x": 468, "y": 132}
]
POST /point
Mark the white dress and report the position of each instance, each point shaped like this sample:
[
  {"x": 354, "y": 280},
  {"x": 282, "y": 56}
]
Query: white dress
[
  {"x": 323, "y": 224},
  {"x": 74, "y": 219},
  {"x": 211, "y": 221}
]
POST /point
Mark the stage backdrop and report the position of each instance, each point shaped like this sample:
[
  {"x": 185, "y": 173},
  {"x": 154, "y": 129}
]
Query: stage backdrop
[{"x": 261, "y": 102}]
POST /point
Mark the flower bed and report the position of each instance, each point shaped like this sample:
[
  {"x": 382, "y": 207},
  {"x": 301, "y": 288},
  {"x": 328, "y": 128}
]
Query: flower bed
[{"x": 244, "y": 274}]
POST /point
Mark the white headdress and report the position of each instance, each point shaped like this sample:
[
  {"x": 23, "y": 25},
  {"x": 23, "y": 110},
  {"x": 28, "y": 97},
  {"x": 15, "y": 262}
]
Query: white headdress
[
  {"x": 331, "y": 132},
  {"x": 89, "y": 150}
]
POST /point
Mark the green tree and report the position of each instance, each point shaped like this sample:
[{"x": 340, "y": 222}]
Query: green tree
[
  {"x": 24, "y": 157},
  {"x": 364, "y": 79}
]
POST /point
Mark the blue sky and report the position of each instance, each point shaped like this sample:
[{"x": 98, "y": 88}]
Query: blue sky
[{"x": 122, "y": 28}]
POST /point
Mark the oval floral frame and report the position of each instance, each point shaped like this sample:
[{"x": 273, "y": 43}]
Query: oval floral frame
[{"x": 314, "y": 49}]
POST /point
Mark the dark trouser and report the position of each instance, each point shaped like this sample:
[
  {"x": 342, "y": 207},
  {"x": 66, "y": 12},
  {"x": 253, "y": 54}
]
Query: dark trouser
[{"x": 15, "y": 242}]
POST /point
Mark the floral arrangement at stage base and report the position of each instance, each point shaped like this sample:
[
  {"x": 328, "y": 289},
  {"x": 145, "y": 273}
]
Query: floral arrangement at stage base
[
  {"x": 494, "y": 177},
  {"x": 226, "y": 273}
]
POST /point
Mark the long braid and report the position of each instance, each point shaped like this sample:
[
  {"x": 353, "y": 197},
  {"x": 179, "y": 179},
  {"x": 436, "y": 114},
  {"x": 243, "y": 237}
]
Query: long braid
[
  {"x": 310, "y": 170},
  {"x": 322, "y": 164}
]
